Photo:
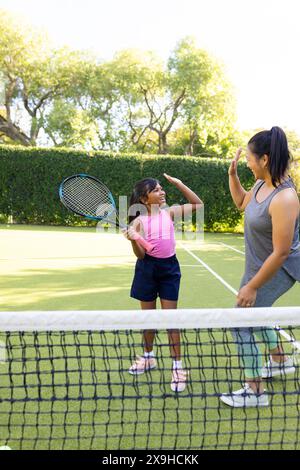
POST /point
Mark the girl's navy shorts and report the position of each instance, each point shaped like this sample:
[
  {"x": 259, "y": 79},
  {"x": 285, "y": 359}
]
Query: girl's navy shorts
[{"x": 156, "y": 277}]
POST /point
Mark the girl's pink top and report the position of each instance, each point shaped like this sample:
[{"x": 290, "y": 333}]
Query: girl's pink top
[{"x": 159, "y": 231}]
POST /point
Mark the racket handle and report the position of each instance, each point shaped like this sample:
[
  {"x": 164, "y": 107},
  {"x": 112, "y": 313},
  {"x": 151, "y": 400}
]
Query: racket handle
[{"x": 147, "y": 246}]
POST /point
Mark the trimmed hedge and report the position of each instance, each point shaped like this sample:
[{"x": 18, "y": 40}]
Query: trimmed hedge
[{"x": 30, "y": 177}]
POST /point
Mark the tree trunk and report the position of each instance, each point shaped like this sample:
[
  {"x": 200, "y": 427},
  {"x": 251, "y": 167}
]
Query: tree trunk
[
  {"x": 162, "y": 143},
  {"x": 13, "y": 132},
  {"x": 190, "y": 146},
  {"x": 35, "y": 128}
]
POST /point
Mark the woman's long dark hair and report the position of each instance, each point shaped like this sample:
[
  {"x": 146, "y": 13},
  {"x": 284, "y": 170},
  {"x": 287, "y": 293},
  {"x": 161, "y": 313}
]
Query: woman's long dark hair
[
  {"x": 274, "y": 144},
  {"x": 141, "y": 189}
]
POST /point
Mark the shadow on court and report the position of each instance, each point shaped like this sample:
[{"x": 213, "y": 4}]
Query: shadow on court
[{"x": 89, "y": 288}]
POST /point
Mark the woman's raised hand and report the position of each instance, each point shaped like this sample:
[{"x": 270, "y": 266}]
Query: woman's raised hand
[{"x": 232, "y": 171}]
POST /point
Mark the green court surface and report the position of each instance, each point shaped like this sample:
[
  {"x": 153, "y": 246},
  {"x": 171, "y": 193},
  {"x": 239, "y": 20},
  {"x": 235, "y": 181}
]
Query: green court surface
[{"x": 46, "y": 268}]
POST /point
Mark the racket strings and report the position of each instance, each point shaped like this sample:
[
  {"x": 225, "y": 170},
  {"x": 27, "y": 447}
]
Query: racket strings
[
  {"x": 89, "y": 205},
  {"x": 88, "y": 197}
]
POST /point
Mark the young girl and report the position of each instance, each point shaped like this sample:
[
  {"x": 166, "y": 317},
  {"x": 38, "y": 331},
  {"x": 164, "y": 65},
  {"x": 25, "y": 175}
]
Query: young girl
[
  {"x": 272, "y": 256},
  {"x": 157, "y": 274}
]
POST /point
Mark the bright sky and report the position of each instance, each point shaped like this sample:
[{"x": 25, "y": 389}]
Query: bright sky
[{"x": 257, "y": 40}]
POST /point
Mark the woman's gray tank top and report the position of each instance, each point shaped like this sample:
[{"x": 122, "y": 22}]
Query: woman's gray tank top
[{"x": 258, "y": 235}]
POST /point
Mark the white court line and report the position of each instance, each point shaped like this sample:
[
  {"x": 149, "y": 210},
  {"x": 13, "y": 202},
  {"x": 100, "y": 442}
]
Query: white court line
[
  {"x": 283, "y": 333},
  {"x": 232, "y": 248},
  {"x": 189, "y": 266},
  {"x": 229, "y": 287}
]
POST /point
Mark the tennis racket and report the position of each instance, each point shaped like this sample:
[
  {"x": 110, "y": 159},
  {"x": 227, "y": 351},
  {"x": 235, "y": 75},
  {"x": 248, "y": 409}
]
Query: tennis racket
[{"x": 87, "y": 196}]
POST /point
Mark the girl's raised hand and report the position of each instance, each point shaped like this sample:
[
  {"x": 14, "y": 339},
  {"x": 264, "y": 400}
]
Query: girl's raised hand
[
  {"x": 232, "y": 171},
  {"x": 172, "y": 180}
]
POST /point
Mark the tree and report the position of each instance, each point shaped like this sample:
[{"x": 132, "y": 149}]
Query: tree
[
  {"x": 134, "y": 102},
  {"x": 102, "y": 96},
  {"x": 294, "y": 143},
  {"x": 32, "y": 76},
  {"x": 142, "y": 107},
  {"x": 69, "y": 126},
  {"x": 191, "y": 92},
  {"x": 208, "y": 110},
  {"x": 14, "y": 53}
]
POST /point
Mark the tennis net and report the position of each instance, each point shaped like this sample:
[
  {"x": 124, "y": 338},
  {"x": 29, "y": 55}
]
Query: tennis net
[{"x": 65, "y": 381}]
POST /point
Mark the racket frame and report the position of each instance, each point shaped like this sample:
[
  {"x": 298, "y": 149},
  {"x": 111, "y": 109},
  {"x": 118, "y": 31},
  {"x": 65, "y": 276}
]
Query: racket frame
[
  {"x": 141, "y": 241},
  {"x": 91, "y": 217}
]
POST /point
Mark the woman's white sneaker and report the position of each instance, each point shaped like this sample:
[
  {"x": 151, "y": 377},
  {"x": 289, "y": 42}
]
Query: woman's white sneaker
[{"x": 245, "y": 397}]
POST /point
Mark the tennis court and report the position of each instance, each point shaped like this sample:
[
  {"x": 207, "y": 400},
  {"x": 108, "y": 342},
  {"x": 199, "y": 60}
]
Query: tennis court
[{"x": 47, "y": 269}]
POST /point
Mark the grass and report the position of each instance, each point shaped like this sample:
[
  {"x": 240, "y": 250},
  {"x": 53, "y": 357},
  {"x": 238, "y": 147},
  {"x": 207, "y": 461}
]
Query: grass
[{"x": 91, "y": 401}]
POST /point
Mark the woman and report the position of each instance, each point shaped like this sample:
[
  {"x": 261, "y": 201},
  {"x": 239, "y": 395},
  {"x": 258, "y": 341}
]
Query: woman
[{"x": 272, "y": 256}]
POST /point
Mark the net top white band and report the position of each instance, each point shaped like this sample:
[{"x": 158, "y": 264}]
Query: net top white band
[{"x": 106, "y": 320}]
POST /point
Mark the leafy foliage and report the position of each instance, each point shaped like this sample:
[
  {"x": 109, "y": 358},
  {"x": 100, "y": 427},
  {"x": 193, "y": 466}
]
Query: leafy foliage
[{"x": 134, "y": 102}]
